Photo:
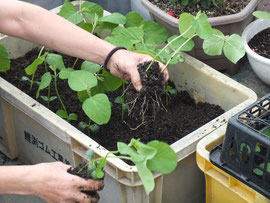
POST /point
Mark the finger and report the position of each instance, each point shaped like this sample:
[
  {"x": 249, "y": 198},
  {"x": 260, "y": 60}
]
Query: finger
[
  {"x": 92, "y": 185},
  {"x": 135, "y": 79}
]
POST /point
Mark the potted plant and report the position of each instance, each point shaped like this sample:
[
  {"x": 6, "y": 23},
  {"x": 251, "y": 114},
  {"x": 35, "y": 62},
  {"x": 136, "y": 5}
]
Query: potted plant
[
  {"x": 228, "y": 24},
  {"x": 256, "y": 38},
  {"x": 56, "y": 139}
]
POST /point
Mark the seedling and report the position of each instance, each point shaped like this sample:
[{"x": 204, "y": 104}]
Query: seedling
[
  {"x": 154, "y": 156},
  {"x": 4, "y": 59}
]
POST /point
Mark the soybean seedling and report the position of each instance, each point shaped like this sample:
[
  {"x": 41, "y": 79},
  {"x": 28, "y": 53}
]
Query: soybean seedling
[{"x": 155, "y": 156}]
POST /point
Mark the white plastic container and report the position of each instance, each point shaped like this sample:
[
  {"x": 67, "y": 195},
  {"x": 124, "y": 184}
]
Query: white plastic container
[
  {"x": 259, "y": 64},
  {"x": 34, "y": 134}
]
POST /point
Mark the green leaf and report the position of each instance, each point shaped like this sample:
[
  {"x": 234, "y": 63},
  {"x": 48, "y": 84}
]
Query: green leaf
[
  {"x": 91, "y": 167},
  {"x": 146, "y": 150},
  {"x": 106, "y": 26},
  {"x": 165, "y": 160},
  {"x": 90, "y": 67},
  {"x": 213, "y": 45},
  {"x": 94, "y": 128},
  {"x": 62, "y": 114},
  {"x": 119, "y": 41},
  {"x": 82, "y": 95},
  {"x": 154, "y": 31},
  {"x": 188, "y": 46},
  {"x": 80, "y": 80},
  {"x": 56, "y": 61},
  {"x": 146, "y": 176},
  {"x": 72, "y": 117},
  {"x": 133, "y": 34},
  {"x": 45, "y": 98},
  {"x": 31, "y": 69},
  {"x": 110, "y": 82},
  {"x": 90, "y": 154},
  {"x": 68, "y": 11},
  {"x": 87, "y": 26},
  {"x": 82, "y": 125},
  {"x": 45, "y": 82},
  {"x": 201, "y": 26},
  {"x": 115, "y": 18},
  {"x": 262, "y": 15},
  {"x": 118, "y": 100},
  {"x": 98, "y": 108},
  {"x": 4, "y": 59},
  {"x": 134, "y": 19},
  {"x": 64, "y": 74},
  {"x": 91, "y": 9},
  {"x": 185, "y": 25},
  {"x": 127, "y": 150},
  {"x": 234, "y": 48}
]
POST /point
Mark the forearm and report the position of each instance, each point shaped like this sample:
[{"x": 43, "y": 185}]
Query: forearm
[
  {"x": 43, "y": 27},
  {"x": 15, "y": 179}
]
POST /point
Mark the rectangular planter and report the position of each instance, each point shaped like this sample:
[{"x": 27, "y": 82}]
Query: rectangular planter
[
  {"x": 229, "y": 24},
  {"x": 34, "y": 134},
  {"x": 221, "y": 186}
]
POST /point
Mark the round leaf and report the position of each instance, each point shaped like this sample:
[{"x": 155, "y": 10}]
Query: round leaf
[
  {"x": 213, "y": 45},
  {"x": 98, "y": 108},
  {"x": 165, "y": 160},
  {"x": 133, "y": 19},
  {"x": 115, "y": 18},
  {"x": 234, "y": 48},
  {"x": 80, "y": 80},
  {"x": 90, "y": 67},
  {"x": 185, "y": 25}
]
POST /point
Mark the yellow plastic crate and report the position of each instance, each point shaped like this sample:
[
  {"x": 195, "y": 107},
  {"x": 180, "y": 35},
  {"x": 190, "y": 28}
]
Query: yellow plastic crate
[{"x": 220, "y": 186}]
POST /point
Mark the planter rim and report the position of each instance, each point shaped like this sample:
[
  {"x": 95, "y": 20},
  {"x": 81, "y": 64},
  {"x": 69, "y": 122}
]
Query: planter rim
[
  {"x": 246, "y": 37},
  {"x": 220, "y": 20}
]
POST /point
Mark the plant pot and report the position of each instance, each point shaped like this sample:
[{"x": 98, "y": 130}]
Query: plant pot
[
  {"x": 229, "y": 24},
  {"x": 259, "y": 64},
  {"x": 34, "y": 134},
  {"x": 220, "y": 185}
]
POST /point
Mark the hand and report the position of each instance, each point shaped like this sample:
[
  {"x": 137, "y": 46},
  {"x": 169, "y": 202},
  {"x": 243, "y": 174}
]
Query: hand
[
  {"x": 53, "y": 183},
  {"x": 124, "y": 63}
]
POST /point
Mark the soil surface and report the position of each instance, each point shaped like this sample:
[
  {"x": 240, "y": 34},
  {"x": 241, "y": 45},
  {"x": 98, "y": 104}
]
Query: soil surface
[
  {"x": 182, "y": 115},
  {"x": 233, "y": 7},
  {"x": 260, "y": 43}
]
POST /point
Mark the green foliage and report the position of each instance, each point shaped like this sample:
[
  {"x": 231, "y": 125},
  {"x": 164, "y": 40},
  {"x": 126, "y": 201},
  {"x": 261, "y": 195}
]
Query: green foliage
[
  {"x": 155, "y": 156},
  {"x": 194, "y": 3},
  {"x": 262, "y": 15},
  {"x": 4, "y": 59}
]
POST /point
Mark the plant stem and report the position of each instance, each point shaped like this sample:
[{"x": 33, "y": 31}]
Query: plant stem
[
  {"x": 88, "y": 128},
  {"x": 33, "y": 76},
  {"x": 166, "y": 47},
  {"x": 57, "y": 93},
  {"x": 123, "y": 100},
  {"x": 49, "y": 95},
  {"x": 179, "y": 48},
  {"x": 74, "y": 63}
]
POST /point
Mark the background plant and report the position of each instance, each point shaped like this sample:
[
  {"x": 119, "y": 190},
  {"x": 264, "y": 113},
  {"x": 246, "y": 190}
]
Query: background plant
[{"x": 202, "y": 3}]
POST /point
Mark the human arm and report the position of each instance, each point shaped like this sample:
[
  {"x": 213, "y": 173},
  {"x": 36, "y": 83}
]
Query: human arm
[
  {"x": 38, "y": 25},
  {"x": 49, "y": 181}
]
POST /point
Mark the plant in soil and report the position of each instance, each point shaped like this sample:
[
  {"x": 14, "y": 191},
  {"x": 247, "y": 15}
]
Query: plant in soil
[
  {"x": 212, "y": 8},
  {"x": 260, "y": 43},
  {"x": 155, "y": 156}
]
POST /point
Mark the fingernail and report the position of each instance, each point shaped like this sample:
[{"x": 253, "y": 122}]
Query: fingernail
[{"x": 139, "y": 87}]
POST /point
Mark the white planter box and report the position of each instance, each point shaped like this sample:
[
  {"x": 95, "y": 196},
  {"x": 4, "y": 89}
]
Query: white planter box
[{"x": 34, "y": 134}]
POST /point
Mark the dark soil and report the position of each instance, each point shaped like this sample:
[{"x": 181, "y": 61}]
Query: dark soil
[
  {"x": 182, "y": 116},
  {"x": 233, "y": 7},
  {"x": 260, "y": 43},
  {"x": 83, "y": 174}
]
